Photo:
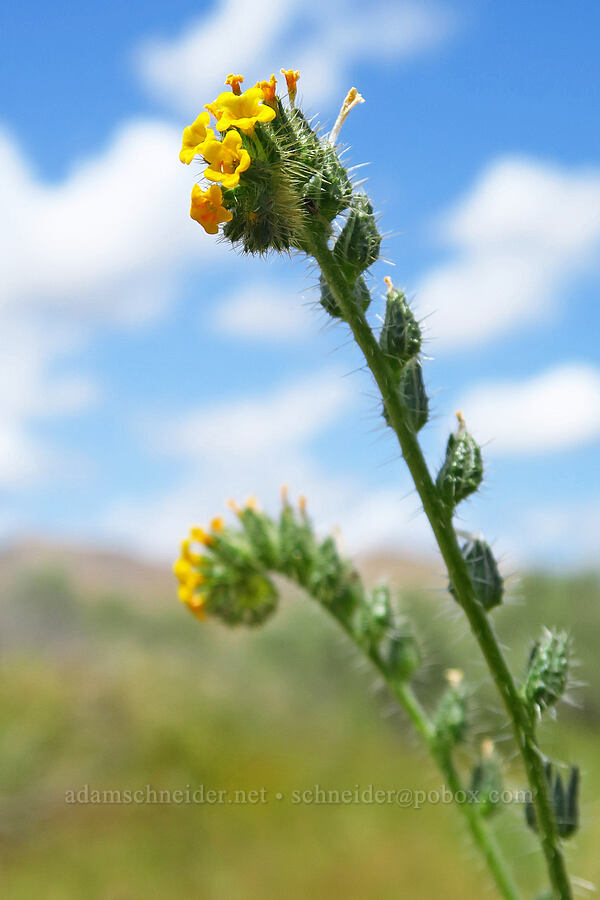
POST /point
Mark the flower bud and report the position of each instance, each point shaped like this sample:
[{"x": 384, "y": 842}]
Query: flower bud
[
  {"x": 483, "y": 570},
  {"x": 547, "y": 670},
  {"x": 241, "y": 597},
  {"x": 297, "y": 546},
  {"x": 376, "y": 617},
  {"x": 261, "y": 535},
  {"x": 401, "y": 657},
  {"x": 412, "y": 393},
  {"x": 564, "y": 802},
  {"x": 329, "y": 191},
  {"x": 400, "y": 337},
  {"x": 462, "y": 470},
  {"x": 362, "y": 297},
  {"x": 450, "y": 719},
  {"x": 357, "y": 246},
  {"x": 486, "y": 780}
]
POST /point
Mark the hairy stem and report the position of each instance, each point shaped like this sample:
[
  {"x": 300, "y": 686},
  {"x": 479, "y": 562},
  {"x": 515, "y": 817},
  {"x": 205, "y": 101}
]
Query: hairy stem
[
  {"x": 480, "y": 833},
  {"x": 443, "y": 529},
  {"x": 442, "y": 756}
]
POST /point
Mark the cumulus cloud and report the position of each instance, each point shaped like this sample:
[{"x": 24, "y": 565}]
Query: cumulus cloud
[
  {"x": 262, "y": 312},
  {"x": 259, "y": 425},
  {"x": 101, "y": 241},
  {"x": 558, "y": 409},
  {"x": 31, "y": 391},
  {"x": 323, "y": 42},
  {"x": 520, "y": 235},
  {"x": 254, "y": 445}
]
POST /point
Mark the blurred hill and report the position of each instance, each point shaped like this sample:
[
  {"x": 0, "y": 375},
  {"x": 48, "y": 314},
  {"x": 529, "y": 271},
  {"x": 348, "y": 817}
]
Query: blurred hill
[
  {"x": 107, "y": 681},
  {"x": 90, "y": 570}
]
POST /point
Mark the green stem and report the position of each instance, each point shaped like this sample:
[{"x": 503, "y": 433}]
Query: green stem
[
  {"x": 481, "y": 835},
  {"x": 423, "y": 725},
  {"x": 441, "y": 524}
]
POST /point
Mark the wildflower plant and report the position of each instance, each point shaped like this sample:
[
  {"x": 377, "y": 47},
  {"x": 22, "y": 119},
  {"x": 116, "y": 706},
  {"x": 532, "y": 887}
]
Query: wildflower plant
[{"x": 275, "y": 184}]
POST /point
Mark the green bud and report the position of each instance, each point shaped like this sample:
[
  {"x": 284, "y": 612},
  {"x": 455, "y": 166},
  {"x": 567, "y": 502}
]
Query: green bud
[
  {"x": 262, "y": 536},
  {"x": 297, "y": 546},
  {"x": 375, "y": 618},
  {"x": 486, "y": 780},
  {"x": 357, "y": 246},
  {"x": 400, "y": 337},
  {"x": 483, "y": 570},
  {"x": 564, "y": 802},
  {"x": 547, "y": 670},
  {"x": 462, "y": 470},
  {"x": 362, "y": 297},
  {"x": 401, "y": 656},
  {"x": 450, "y": 719},
  {"x": 412, "y": 393},
  {"x": 334, "y": 582},
  {"x": 241, "y": 597},
  {"x": 329, "y": 190}
]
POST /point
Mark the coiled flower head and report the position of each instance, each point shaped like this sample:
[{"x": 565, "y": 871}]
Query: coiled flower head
[{"x": 280, "y": 181}]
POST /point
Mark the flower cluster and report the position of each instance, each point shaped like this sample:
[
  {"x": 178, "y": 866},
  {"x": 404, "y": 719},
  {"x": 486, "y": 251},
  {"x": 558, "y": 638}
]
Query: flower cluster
[
  {"x": 188, "y": 568},
  {"x": 236, "y": 115},
  {"x": 231, "y": 579},
  {"x": 277, "y": 179}
]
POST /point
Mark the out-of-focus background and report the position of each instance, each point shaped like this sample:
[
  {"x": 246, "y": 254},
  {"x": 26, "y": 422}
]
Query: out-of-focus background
[{"x": 148, "y": 373}]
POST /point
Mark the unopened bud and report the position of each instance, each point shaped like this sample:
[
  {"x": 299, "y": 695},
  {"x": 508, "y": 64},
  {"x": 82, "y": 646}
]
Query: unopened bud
[
  {"x": 357, "y": 246},
  {"x": 483, "y": 571},
  {"x": 400, "y": 337},
  {"x": 361, "y": 294},
  {"x": 565, "y": 802},
  {"x": 486, "y": 780},
  {"x": 462, "y": 470},
  {"x": 450, "y": 718},
  {"x": 547, "y": 670},
  {"x": 412, "y": 393}
]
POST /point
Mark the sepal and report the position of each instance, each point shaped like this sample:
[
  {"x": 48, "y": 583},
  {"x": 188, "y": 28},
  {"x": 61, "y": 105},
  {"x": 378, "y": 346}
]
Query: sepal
[{"x": 487, "y": 582}]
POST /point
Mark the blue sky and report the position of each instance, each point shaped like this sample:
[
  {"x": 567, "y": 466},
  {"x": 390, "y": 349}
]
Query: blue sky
[{"x": 147, "y": 373}]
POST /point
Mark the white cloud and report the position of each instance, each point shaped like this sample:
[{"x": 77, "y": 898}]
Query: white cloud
[
  {"x": 254, "y": 446},
  {"x": 101, "y": 241},
  {"x": 255, "y": 38},
  {"x": 567, "y": 533},
  {"x": 254, "y": 427},
  {"x": 553, "y": 411},
  {"x": 30, "y": 391},
  {"x": 263, "y": 312},
  {"x": 522, "y": 232}
]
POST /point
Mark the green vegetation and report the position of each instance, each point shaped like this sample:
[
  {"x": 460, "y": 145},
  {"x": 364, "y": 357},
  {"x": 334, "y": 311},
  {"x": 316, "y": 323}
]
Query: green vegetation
[{"x": 96, "y": 691}]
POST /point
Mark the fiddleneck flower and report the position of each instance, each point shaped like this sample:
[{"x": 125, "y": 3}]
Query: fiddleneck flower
[
  {"x": 227, "y": 159},
  {"x": 207, "y": 208},
  {"x": 243, "y": 110},
  {"x": 193, "y": 136}
]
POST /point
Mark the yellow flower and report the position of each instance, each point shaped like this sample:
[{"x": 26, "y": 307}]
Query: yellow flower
[
  {"x": 243, "y": 111},
  {"x": 190, "y": 580},
  {"x": 196, "y": 606},
  {"x": 291, "y": 78},
  {"x": 200, "y": 536},
  {"x": 193, "y": 136},
  {"x": 182, "y": 570},
  {"x": 227, "y": 159},
  {"x": 234, "y": 81},
  {"x": 268, "y": 88},
  {"x": 207, "y": 208}
]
